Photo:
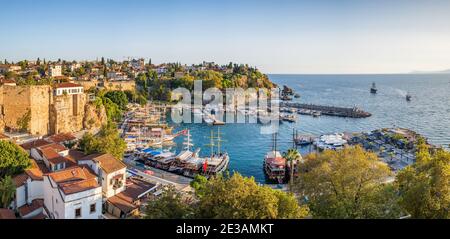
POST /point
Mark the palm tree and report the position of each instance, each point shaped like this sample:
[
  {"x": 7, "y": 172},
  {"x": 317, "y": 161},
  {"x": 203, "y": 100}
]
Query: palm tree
[
  {"x": 291, "y": 156},
  {"x": 7, "y": 191}
]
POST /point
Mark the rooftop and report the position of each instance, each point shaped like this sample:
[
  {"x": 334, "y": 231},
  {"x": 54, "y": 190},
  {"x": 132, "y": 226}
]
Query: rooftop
[
  {"x": 107, "y": 162},
  {"x": 34, "y": 144},
  {"x": 67, "y": 85},
  {"x": 27, "y": 209},
  {"x": 7, "y": 214},
  {"x": 75, "y": 179},
  {"x": 134, "y": 191},
  {"x": 60, "y": 138}
]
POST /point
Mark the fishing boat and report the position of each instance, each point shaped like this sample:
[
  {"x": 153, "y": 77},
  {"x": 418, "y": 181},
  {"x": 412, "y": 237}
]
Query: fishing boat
[
  {"x": 275, "y": 164},
  {"x": 296, "y": 96},
  {"x": 408, "y": 97},
  {"x": 373, "y": 89}
]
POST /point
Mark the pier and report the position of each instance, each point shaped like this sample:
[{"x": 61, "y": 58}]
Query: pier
[{"x": 329, "y": 110}]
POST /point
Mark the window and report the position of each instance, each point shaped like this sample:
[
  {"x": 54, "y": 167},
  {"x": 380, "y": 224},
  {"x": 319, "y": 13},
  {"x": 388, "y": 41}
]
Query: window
[
  {"x": 78, "y": 213},
  {"x": 93, "y": 208}
]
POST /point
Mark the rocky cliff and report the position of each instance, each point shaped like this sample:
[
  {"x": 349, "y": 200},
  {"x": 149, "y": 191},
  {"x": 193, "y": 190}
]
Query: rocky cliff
[{"x": 94, "y": 117}]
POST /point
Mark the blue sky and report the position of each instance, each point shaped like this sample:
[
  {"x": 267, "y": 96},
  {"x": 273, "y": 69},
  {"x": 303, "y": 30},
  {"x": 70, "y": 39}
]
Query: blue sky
[{"x": 276, "y": 36}]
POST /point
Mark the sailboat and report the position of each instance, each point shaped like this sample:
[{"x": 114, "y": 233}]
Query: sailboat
[
  {"x": 275, "y": 164},
  {"x": 181, "y": 159},
  {"x": 218, "y": 161}
]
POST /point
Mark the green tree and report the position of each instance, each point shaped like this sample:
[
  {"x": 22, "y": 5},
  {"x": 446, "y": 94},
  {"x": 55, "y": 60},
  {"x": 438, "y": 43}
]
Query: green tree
[
  {"x": 119, "y": 98},
  {"x": 424, "y": 187},
  {"x": 113, "y": 111},
  {"x": 107, "y": 140},
  {"x": 13, "y": 159},
  {"x": 348, "y": 183},
  {"x": 237, "y": 197},
  {"x": 169, "y": 205},
  {"x": 292, "y": 156},
  {"x": 7, "y": 191},
  {"x": 198, "y": 184}
]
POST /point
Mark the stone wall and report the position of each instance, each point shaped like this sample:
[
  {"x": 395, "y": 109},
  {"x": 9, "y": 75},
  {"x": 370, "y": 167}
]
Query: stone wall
[
  {"x": 109, "y": 85},
  {"x": 67, "y": 113},
  {"x": 49, "y": 114},
  {"x": 17, "y": 101}
]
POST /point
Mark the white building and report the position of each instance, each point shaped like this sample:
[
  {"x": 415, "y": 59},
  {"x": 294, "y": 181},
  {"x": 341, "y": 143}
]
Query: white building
[
  {"x": 74, "y": 66},
  {"x": 111, "y": 172},
  {"x": 73, "y": 193},
  {"x": 161, "y": 70},
  {"x": 55, "y": 71},
  {"x": 28, "y": 199},
  {"x": 116, "y": 76},
  {"x": 53, "y": 155},
  {"x": 67, "y": 88}
]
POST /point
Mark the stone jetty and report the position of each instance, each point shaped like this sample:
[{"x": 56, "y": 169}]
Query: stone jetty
[{"x": 330, "y": 110}]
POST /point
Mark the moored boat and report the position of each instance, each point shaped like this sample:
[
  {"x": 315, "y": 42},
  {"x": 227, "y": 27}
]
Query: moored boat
[{"x": 275, "y": 164}]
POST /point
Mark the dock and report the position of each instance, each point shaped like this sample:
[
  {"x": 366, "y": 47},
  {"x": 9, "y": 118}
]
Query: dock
[{"x": 329, "y": 110}]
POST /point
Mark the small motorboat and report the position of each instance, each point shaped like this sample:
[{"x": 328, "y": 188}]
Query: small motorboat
[
  {"x": 373, "y": 89},
  {"x": 408, "y": 97}
]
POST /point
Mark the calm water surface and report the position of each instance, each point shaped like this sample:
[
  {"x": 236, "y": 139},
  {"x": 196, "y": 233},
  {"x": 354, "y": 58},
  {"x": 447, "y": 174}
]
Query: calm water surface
[{"x": 428, "y": 113}]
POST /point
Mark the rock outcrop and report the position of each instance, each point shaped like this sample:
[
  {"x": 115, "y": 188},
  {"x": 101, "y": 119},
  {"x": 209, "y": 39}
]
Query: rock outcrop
[{"x": 94, "y": 117}]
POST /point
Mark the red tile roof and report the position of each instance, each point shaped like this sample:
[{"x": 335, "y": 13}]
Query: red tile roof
[
  {"x": 122, "y": 204},
  {"x": 34, "y": 144},
  {"x": 75, "y": 156},
  {"x": 75, "y": 179},
  {"x": 61, "y": 138},
  {"x": 19, "y": 180},
  {"x": 125, "y": 200},
  {"x": 37, "y": 170},
  {"x": 107, "y": 162},
  {"x": 67, "y": 85},
  {"x": 27, "y": 209},
  {"x": 7, "y": 214}
]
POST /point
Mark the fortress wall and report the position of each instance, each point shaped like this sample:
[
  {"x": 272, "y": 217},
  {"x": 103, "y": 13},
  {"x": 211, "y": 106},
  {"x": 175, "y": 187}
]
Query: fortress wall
[
  {"x": 40, "y": 98},
  {"x": 67, "y": 113},
  {"x": 16, "y": 103},
  {"x": 109, "y": 85},
  {"x": 120, "y": 85}
]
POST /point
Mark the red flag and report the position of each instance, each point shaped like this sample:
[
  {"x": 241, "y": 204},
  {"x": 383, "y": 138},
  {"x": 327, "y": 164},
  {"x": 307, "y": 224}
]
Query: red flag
[{"x": 205, "y": 165}]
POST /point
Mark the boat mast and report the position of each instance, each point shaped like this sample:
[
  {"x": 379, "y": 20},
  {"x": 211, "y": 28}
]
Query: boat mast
[
  {"x": 219, "y": 140},
  {"x": 211, "y": 143}
]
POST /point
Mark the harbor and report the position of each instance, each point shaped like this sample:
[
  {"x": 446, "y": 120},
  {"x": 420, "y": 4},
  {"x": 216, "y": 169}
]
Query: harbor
[
  {"x": 315, "y": 133},
  {"x": 150, "y": 142}
]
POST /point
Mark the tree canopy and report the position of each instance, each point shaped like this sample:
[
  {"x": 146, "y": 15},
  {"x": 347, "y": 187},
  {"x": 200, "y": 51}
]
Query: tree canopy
[
  {"x": 240, "y": 197},
  {"x": 348, "y": 183},
  {"x": 119, "y": 98},
  {"x": 107, "y": 140},
  {"x": 13, "y": 159},
  {"x": 424, "y": 187},
  {"x": 169, "y": 205},
  {"x": 7, "y": 191}
]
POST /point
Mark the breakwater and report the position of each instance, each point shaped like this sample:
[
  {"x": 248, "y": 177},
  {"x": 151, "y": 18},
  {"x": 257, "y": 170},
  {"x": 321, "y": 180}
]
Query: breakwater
[{"x": 330, "y": 110}]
